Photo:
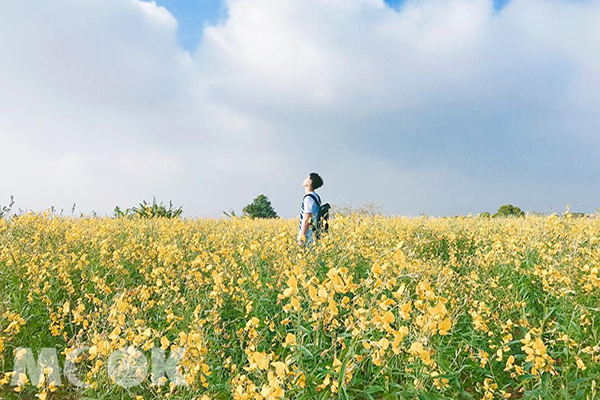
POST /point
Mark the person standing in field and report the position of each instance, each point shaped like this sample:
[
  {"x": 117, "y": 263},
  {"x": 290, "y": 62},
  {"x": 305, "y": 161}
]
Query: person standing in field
[{"x": 311, "y": 207}]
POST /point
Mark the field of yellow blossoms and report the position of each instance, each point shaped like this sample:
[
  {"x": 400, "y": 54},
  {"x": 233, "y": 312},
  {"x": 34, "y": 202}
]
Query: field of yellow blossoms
[{"x": 381, "y": 308}]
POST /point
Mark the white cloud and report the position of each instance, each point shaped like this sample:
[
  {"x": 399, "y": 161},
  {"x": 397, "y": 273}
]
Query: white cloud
[
  {"x": 445, "y": 106},
  {"x": 159, "y": 14}
]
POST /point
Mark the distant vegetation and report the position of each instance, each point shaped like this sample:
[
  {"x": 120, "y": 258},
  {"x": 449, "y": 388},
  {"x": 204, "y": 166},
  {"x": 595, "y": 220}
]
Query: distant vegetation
[
  {"x": 149, "y": 210},
  {"x": 578, "y": 215},
  {"x": 508, "y": 210},
  {"x": 259, "y": 208},
  {"x": 262, "y": 208},
  {"x": 367, "y": 209},
  {"x": 5, "y": 210}
]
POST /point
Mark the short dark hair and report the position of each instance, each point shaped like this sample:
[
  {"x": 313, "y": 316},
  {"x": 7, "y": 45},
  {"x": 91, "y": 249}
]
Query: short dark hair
[{"x": 317, "y": 181}]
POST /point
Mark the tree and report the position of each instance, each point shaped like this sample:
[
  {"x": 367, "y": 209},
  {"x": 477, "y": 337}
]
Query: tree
[
  {"x": 259, "y": 208},
  {"x": 508, "y": 210}
]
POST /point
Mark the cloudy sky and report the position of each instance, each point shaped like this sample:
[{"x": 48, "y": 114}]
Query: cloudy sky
[{"x": 441, "y": 107}]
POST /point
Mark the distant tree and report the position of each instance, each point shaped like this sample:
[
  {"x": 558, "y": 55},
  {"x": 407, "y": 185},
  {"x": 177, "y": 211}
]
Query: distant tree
[
  {"x": 259, "y": 208},
  {"x": 484, "y": 215},
  {"x": 508, "y": 210}
]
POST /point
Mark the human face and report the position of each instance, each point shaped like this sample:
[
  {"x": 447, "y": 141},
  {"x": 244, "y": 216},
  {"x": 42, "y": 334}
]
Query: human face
[{"x": 307, "y": 182}]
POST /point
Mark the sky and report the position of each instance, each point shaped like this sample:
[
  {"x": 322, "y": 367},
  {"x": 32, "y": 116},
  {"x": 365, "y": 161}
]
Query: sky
[
  {"x": 438, "y": 107},
  {"x": 193, "y": 15}
]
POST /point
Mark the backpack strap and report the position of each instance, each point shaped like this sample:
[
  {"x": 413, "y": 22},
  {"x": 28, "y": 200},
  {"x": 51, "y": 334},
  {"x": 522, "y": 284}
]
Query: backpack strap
[{"x": 315, "y": 197}]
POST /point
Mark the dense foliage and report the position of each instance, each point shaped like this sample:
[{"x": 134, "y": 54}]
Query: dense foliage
[
  {"x": 508, "y": 210},
  {"x": 462, "y": 308},
  {"x": 149, "y": 210},
  {"x": 259, "y": 208}
]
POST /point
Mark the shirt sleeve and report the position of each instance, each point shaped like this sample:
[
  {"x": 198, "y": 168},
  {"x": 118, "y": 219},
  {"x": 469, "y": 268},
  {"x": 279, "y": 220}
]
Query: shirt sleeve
[{"x": 309, "y": 205}]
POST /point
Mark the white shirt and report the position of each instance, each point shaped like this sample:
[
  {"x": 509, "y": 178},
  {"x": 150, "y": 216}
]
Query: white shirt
[{"x": 309, "y": 206}]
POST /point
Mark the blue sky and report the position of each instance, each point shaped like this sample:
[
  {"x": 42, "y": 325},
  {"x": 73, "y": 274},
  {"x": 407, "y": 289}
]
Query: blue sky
[{"x": 193, "y": 14}]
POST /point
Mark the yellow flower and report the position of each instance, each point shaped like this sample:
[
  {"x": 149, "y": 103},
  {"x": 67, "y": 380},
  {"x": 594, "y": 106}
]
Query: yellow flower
[
  {"x": 417, "y": 349},
  {"x": 405, "y": 310},
  {"x": 260, "y": 360},
  {"x": 444, "y": 326},
  {"x": 281, "y": 368},
  {"x": 290, "y": 340},
  {"x": 439, "y": 310},
  {"x": 580, "y": 363},
  {"x": 388, "y": 318},
  {"x": 292, "y": 287},
  {"x": 399, "y": 335}
]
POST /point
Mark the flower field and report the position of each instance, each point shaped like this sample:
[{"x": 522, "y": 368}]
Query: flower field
[{"x": 381, "y": 308}]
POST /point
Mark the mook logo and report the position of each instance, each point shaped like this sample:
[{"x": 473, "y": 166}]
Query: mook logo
[{"x": 126, "y": 367}]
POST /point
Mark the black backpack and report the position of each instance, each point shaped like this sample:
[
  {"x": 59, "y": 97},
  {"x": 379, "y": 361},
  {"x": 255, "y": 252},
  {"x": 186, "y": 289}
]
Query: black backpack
[{"x": 322, "y": 224}]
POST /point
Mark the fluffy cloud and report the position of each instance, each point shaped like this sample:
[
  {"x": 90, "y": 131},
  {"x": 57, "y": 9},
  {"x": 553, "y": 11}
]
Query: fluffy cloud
[
  {"x": 450, "y": 93},
  {"x": 443, "y": 106}
]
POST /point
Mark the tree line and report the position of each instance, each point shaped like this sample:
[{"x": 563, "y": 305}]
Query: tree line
[{"x": 261, "y": 208}]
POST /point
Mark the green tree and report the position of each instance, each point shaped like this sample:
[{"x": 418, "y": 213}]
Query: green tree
[
  {"x": 259, "y": 208},
  {"x": 508, "y": 210}
]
